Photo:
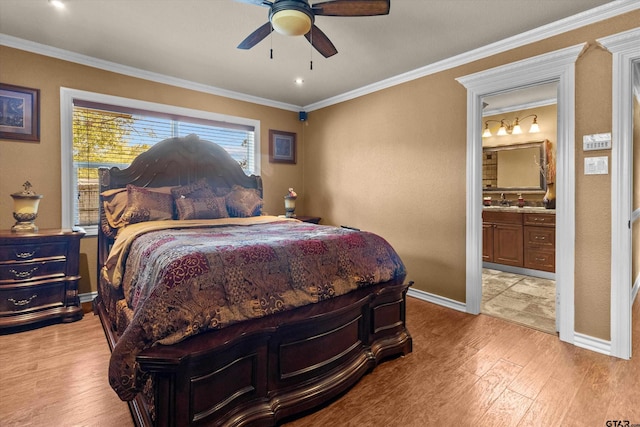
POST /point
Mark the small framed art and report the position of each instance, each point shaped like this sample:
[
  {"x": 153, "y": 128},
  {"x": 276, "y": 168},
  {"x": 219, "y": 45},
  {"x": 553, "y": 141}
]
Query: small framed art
[
  {"x": 19, "y": 113},
  {"x": 282, "y": 147}
]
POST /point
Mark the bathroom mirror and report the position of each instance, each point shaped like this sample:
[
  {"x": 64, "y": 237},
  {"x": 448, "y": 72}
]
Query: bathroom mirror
[{"x": 515, "y": 167}]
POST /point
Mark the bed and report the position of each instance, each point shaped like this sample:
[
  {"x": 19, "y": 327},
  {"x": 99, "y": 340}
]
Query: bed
[{"x": 217, "y": 314}]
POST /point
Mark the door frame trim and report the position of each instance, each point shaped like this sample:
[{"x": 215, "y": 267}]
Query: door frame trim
[
  {"x": 625, "y": 48},
  {"x": 558, "y": 66}
]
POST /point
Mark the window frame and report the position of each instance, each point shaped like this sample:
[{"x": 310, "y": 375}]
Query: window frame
[{"x": 67, "y": 98}]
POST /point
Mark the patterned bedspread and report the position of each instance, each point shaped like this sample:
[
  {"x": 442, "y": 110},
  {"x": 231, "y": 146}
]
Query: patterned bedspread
[{"x": 179, "y": 282}]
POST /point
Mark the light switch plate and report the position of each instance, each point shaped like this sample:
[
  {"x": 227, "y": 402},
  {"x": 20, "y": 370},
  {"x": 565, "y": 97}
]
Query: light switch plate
[
  {"x": 598, "y": 141},
  {"x": 596, "y": 165}
]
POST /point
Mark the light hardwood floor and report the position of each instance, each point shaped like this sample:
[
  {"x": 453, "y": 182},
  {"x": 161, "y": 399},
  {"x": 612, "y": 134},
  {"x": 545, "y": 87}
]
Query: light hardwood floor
[{"x": 464, "y": 370}]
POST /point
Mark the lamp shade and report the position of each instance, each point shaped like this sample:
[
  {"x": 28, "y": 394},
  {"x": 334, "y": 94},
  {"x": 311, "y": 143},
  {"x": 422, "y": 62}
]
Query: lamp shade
[
  {"x": 534, "y": 127},
  {"x": 291, "y": 22}
]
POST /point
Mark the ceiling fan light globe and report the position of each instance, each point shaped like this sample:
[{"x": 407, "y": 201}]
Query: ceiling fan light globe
[{"x": 291, "y": 22}]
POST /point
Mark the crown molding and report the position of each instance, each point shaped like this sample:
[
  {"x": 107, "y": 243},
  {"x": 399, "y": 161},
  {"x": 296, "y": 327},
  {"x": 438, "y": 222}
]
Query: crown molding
[
  {"x": 606, "y": 11},
  {"x": 65, "y": 55}
]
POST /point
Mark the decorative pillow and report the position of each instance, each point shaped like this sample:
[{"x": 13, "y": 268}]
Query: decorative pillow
[
  {"x": 205, "y": 208},
  {"x": 197, "y": 190},
  {"x": 144, "y": 204},
  {"x": 244, "y": 202},
  {"x": 114, "y": 204},
  {"x": 107, "y": 230},
  {"x": 221, "y": 191}
]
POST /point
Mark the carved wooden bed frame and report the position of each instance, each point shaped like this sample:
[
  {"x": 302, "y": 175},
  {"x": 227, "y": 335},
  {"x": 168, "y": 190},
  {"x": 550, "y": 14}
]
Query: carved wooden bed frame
[{"x": 263, "y": 370}]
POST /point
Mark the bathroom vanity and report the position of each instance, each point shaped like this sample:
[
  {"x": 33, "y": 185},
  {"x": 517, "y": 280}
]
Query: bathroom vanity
[{"x": 519, "y": 237}]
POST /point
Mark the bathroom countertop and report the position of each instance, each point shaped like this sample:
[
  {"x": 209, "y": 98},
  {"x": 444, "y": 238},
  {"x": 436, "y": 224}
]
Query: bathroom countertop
[{"x": 526, "y": 209}]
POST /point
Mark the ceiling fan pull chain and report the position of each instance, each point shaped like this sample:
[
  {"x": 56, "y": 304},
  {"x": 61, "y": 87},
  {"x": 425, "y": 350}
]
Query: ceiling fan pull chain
[
  {"x": 271, "y": 53},
  {"x": 311, "y": 50}
]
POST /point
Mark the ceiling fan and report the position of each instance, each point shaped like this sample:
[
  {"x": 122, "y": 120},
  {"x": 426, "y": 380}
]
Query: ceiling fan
[{"x": 296, "y": 18}]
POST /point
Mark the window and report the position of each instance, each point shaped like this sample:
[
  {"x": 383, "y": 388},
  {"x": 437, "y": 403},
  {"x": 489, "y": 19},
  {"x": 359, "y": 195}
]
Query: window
[{"x": 104, "y": 131}]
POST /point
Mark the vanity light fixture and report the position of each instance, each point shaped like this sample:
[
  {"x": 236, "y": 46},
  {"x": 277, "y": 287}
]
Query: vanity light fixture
[{"x": 506, "y": 128}]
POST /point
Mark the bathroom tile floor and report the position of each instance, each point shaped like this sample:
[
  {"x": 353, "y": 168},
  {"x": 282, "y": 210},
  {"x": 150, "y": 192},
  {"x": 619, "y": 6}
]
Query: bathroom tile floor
[{"x": 526, "y": 300}]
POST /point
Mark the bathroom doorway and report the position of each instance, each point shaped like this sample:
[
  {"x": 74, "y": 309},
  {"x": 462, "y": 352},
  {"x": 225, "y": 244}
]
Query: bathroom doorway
[
  {"x": 518, "y": 167},
  {"x": 557, "y": 66}
]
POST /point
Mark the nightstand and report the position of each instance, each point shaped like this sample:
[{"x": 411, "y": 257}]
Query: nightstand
[{"x": 39, "y": 274}]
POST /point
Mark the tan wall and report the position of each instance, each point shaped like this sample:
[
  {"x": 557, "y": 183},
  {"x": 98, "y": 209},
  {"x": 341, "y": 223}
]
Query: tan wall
[
  {"x": 40, "y": 162},
  {"x": 393, "y": 162}
]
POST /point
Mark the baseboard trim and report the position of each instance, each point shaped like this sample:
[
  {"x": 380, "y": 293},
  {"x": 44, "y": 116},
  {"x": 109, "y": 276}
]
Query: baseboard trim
[
  {"x": 592, "y": 343},
  {"x": 436, "y": 299},
  {"x": 87, "y": 297}
]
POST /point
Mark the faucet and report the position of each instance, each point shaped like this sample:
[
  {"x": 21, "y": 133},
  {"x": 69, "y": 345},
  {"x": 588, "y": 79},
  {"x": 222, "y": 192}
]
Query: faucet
[{"x": 503, "y": 201}]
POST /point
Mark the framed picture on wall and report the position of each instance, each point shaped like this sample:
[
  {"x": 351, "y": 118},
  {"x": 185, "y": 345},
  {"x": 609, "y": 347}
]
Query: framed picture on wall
[
  {"x": 282, "y": 147},
  {"x": 19, "y": 113}
]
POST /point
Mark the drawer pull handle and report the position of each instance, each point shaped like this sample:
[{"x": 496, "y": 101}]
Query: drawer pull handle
[
  {"x": 22, "y": 302},
  {"x": 25, "y": 255},
  {"x": 24, "y": 274},
  {"x": 539, "y": 237}
]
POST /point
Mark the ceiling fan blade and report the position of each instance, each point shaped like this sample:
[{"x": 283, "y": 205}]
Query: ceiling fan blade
[
  {"x": 264, "y": 3},
  {"x": 321, "y": 42},
  {"x": 256, "y": 37},
  {"x": 352, "y": 8}
]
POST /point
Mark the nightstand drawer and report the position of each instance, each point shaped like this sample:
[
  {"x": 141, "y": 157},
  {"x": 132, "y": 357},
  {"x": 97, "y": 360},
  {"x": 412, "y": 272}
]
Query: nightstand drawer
[
  {"x": 17, "y": 300},
  {"x": 22, "y": 271},
  {"x": 32, "y": 251}
]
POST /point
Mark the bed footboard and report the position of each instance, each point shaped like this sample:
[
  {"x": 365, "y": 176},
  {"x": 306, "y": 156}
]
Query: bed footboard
[{"x": 261, "y": 372}]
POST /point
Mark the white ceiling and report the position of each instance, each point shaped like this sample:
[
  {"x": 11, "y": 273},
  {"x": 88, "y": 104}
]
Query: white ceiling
[{"x": 195, "y": 40}]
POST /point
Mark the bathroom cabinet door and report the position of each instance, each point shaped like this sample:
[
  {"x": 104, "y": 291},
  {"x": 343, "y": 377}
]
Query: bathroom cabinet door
[
  {"x": 502, "y": 238},
  {"x": 508, "y": 245}
]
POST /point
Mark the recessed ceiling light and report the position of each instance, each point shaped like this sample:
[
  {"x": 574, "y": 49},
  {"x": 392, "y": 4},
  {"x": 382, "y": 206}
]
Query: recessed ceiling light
[
  {"x": 57, "y": 4},
  {"x": 299, "y": 81}
]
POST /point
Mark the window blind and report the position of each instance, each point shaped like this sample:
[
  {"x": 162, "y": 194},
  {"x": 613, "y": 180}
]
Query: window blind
[{"x": 110, "y": 135}]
